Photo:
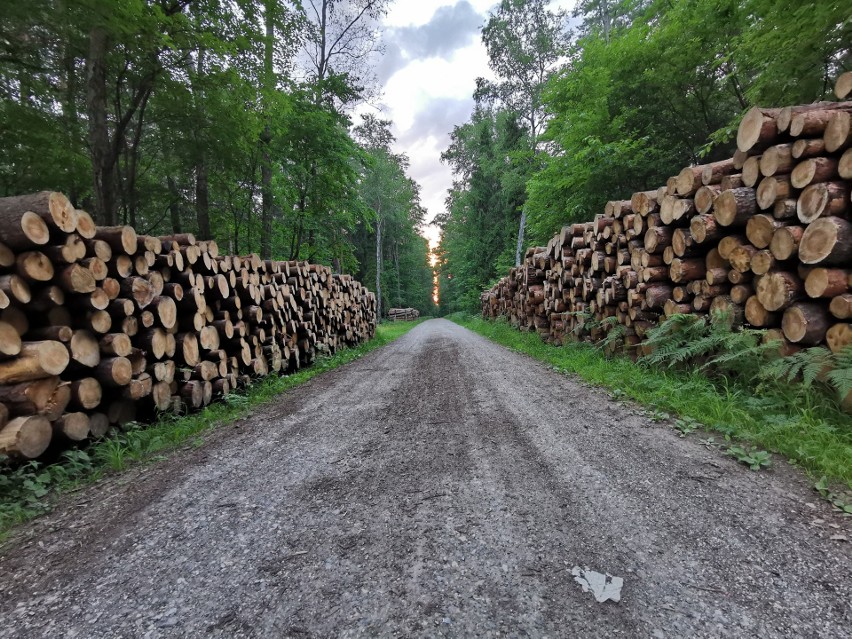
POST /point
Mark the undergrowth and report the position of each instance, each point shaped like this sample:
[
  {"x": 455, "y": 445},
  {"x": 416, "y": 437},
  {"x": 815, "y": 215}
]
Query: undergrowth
[
  {"x": 26, "y": 489},
  {"x": 725, "y": 381}
]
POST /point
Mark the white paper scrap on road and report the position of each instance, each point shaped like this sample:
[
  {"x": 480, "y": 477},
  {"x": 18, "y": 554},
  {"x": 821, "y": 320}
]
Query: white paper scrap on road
[{"x": 602, "y": 586}]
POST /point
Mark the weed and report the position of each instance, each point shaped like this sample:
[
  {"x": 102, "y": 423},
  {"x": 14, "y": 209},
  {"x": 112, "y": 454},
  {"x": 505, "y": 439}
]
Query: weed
[
  {"x": 841, "y": 502},
  {"x": 685, "y": 426},
  {"x": 753, "y": 458}
]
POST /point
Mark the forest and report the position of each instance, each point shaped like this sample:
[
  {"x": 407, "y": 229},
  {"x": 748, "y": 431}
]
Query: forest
[
  {"x": 613, "y": 97},
  {"x": 229, "y": 119}
]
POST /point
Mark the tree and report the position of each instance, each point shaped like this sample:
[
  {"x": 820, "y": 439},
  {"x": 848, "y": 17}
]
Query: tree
[
  {"x": 392, "y": 198},
  {"x": 341, "y": 35},
  {"x": 524, "y": 41}
]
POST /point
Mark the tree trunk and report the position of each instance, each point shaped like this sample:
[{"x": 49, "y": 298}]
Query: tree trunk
[
  {"x": 103, "y": 164},
  {"x": 521, "y": 229},
  {"x": 379, "y": 267}
]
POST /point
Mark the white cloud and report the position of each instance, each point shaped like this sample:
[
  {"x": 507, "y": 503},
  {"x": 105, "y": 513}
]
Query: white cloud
[{"x": 431, "y": 75}]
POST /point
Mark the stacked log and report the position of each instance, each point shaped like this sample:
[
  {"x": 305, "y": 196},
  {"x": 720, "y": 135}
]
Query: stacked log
[
  {"x": 765, "y": 237},
  {"x": 403, "y": 314},
  {"x": 100, "y": 326}
]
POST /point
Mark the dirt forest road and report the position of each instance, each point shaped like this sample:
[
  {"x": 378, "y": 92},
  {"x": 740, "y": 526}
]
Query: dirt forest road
[{"x": 441, "y": 486}]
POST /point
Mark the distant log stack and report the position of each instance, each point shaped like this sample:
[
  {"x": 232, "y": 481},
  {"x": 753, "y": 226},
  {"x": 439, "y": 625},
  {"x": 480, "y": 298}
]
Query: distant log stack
[
  {"x": 403, "y": 314},
  {"x": 765, "y": 237},
  {"x": 100, "y": 326}
]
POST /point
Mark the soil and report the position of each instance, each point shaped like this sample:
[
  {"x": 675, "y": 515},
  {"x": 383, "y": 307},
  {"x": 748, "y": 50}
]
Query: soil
[{"x": 441, "y": 486}]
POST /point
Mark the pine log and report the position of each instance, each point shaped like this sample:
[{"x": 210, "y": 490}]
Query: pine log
[
  {"x": 827, "y": 241},
  {"x": 784, "y": 209},
  {"x": 689, "y": 180},
  {"x": 76, "y": 278},
  {"x": 838, "y": 132},
  {"x": 715, "y": 171},
  {"x": 841, "y": 306},
  {"x": 15, "y": 288},
  {"x": 823, "y": 199},
  {"x": 10, "y": 340},
  {"x": 732, "y": 182},
  {"x": 121, "y": 239},
  {"x": 735, "y": 207},
  {"x": 86, "y": 393},
  {"x": 73, "y": 426},
  {"x": 115, "y": 344},
  {"x": 25, "y": 437},
  {"x": 843, "y": 85},
  {"x": 757, "y": 130},
  {"x": 777, "y": 159},
  {"x": 777, "y": 290},
  {"x": 785, "y": 242},
  {"x": 757, "y": 315},
  {"x": 36, "y": 360},
  {"x": 805, "y": 323},
  {"x": 705, "y": 229},
  {"x": 56, "y": 333},
  {"x": 740, "y": 257},
  {"x": 683, "y": 270},
  {"x": 114, "y": 372},
  {"x": 728, "y": 243},
  {"x": 771, "y": 190},
  {"x": 844, "y": 166},
  {"x": 760, "y": 229},
  {"x": 19, "y": 230},
  {"x": 751, "y": 171},
  {"x": 139, "y": 289},
  {"x": 762, "y": 262},
  {"x": 837, "y": 338},
  {"x": 827, "y": 282},
  {"x": 704, "y": 198},
  {"x": 84, "y": 349},
  {"x": 813, "y": 170}
]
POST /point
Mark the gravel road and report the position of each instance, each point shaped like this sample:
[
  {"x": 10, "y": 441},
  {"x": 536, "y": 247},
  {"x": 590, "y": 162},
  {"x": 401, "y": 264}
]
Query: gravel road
[{"x": 441, "y": 486}]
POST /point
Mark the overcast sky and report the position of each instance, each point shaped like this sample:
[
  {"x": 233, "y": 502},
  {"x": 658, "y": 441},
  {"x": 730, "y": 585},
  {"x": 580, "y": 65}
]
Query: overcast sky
[{"x": 433, "y": 55}]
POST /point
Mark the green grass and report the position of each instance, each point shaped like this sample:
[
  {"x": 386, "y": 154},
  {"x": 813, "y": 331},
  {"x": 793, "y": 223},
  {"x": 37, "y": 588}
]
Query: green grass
[
  {"x": 796, "y": 422},
  {"x": 27, "y": 490}
]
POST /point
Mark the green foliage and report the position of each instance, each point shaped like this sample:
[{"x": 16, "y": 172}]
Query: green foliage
[
  {"x": 490, "y": 162},
  {"x": 26, "y": 489},
  {"x": 841, "y": 501},
  {"x": 751, "y": 457}
]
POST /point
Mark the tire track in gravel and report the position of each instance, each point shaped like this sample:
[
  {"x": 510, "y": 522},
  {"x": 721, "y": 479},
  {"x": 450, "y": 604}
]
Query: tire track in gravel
[{"x": 441, "y": 486}]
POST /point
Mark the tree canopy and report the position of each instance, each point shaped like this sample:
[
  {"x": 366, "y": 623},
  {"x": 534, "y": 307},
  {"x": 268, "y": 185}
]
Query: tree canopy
[{"x": 230, "y": 119}]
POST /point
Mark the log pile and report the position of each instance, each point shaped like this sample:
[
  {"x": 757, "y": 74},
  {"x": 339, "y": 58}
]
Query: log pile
[
  {"x": 765, "y": 237},
  {"x": 100, "y": 326},
  {"x": 403, "y": 314}
]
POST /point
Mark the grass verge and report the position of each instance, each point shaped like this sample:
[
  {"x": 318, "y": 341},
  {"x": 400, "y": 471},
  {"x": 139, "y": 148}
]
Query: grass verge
[
  {"x": 794, "y": 422},
  {"x": 27, "y": 490}
]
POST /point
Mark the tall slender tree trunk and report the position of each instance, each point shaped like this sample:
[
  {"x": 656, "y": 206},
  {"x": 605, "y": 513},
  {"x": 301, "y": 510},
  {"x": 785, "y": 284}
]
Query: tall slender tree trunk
[
  {"x": 103, "y": 161},
  {"x": 521, "y": 229},
  {"x": 69, "y": 113},
  {"x": 174, "y": 206},
  {"x": 379, "y": 267},
  {"x": 202, "y": 188},
  {"x": 202, "y": 200},
  {"x": 265, "y": 140}
]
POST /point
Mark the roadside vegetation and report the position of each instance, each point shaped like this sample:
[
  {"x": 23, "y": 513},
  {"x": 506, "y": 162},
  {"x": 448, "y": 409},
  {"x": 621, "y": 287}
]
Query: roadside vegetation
[
  {"x": 28, "y": 490},
  {"x": 747, "y": 403}
]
